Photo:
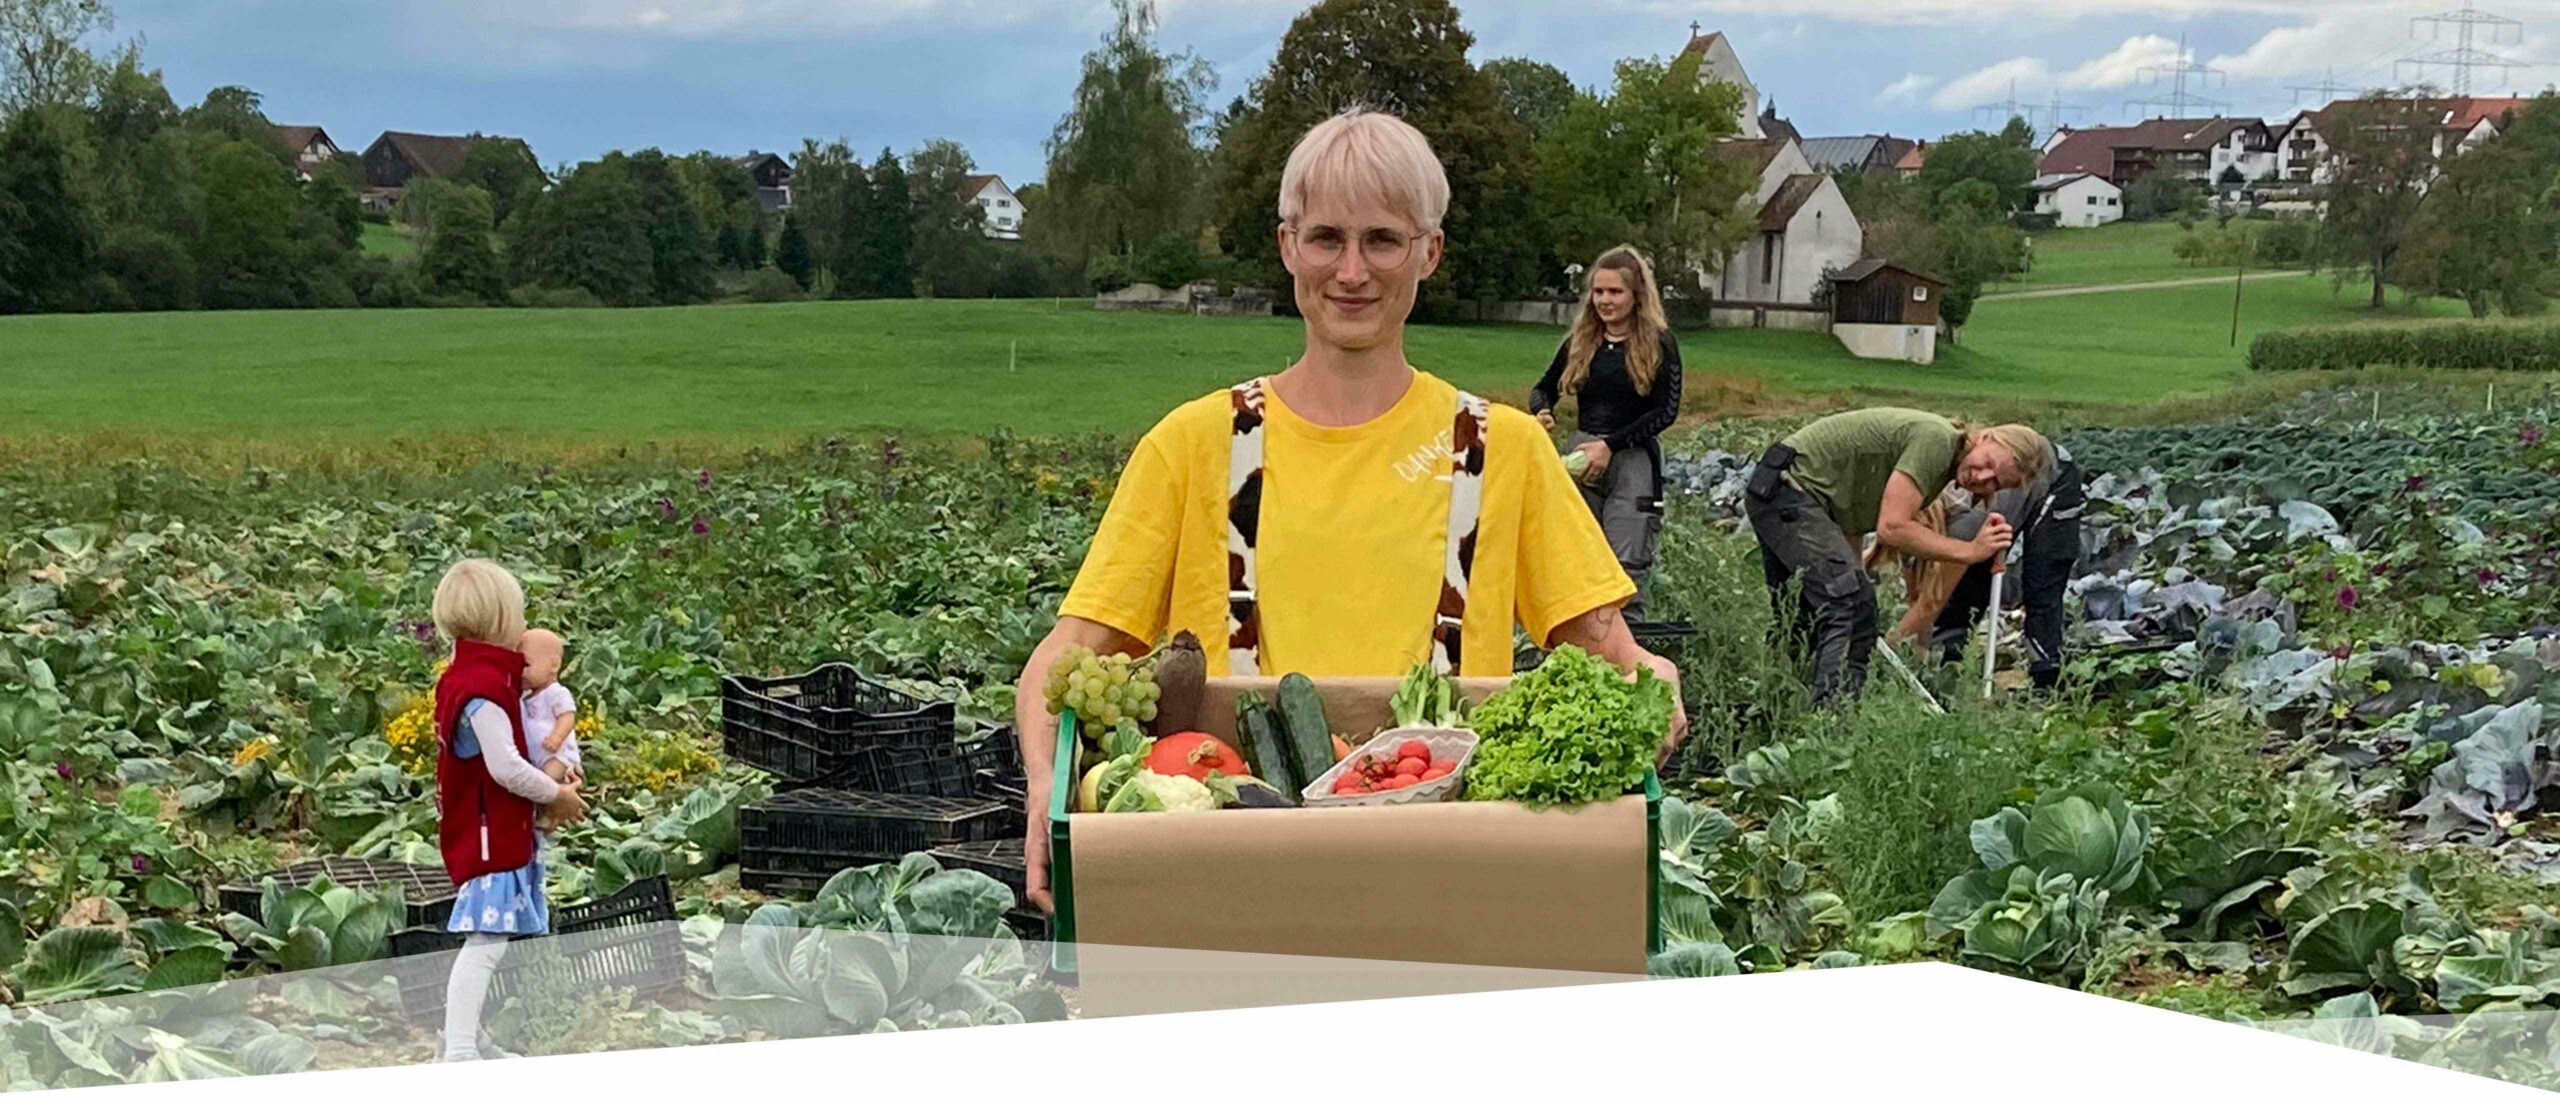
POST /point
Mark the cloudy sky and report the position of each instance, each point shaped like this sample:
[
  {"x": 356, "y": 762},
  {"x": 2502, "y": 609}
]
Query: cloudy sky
[{"x": 578, "y": 77}]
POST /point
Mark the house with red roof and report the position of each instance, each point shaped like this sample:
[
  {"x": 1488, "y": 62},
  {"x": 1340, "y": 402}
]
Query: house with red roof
[
  {"x": 2462, "y": 123},
  {"x": 311, "y": 148},
  {"x": 2228, "y": 156},
  {"x": 1003, "y": 208}
]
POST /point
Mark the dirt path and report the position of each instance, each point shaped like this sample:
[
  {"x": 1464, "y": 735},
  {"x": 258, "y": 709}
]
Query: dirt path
[{"x": 2110, "y": 288}]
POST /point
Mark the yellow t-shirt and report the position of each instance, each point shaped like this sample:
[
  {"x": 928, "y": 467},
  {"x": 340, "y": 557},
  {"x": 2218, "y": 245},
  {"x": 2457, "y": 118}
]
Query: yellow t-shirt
[{"x": 1353, "y": 542}]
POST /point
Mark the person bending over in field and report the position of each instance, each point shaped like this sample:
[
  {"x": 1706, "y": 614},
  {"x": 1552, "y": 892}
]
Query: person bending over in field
[
  {"x": 1845, "y": 475},
  {"x": 1351, "y": 515},
  {"x": 1622, "y": 367},
  {"x": 487, "y": 794}
]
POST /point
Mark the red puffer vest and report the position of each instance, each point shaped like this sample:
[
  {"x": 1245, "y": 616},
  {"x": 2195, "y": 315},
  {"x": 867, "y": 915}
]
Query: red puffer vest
[{"x": 481, "y": 826}]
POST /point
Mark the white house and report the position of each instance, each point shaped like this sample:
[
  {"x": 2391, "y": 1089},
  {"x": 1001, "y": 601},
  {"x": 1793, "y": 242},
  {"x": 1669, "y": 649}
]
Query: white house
[
  {"x": 1802, "y": 230},
  {"x": 2462, "y": 123},
  {"x": 1719, "y": 62},
  {"x": 1802, "y": 227},
  {"x": 2078, "y": 200},
  {"x": 1004, "y": 211},
  {"x": 311, "y": 147}
]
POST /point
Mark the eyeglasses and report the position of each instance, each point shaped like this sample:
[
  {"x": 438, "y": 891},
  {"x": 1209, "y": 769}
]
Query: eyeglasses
[{"x": 1382, "y": 249}]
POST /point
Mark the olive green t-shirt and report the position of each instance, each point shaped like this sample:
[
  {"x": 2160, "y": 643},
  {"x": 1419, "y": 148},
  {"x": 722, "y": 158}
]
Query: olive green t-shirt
[{"x": 1845, "y": 460}]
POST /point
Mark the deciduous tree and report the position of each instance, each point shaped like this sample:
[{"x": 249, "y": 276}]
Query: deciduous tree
[
  {"x": 2382, "y": 156},
  {"x": 1124, "y": 161},
  {"x": 1408, "y": 57}
]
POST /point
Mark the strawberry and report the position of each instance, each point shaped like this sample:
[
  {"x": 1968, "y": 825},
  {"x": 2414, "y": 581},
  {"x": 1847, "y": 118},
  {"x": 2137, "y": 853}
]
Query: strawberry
[{"x": 1414, "y": 750}]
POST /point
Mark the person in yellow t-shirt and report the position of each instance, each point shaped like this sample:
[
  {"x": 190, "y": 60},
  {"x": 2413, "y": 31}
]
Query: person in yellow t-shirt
[{"x": 1349, "y": 516}]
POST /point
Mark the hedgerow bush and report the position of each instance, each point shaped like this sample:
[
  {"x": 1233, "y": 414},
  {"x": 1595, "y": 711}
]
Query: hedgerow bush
[{"x": 2450, "y": 345}]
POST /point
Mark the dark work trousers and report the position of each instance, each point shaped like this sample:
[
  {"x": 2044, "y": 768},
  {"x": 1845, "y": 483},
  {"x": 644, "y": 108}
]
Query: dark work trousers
[
  {"x": 1627, "y": 500},
  {"x": 2046, "y": 562},
  {"x": 1835, "y": 604}
]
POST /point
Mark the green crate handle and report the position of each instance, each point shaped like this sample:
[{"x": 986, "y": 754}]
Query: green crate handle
[{"x": 1062, "y": 932}]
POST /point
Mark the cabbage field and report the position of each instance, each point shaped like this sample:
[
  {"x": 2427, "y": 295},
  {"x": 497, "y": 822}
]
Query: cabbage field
[{"x": 2304, "y": 763}]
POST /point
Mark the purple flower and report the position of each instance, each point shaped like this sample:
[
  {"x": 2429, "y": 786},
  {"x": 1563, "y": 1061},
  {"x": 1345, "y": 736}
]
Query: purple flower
[
  {"x": 2342, "y": 651},
  {"x": 2329, "y": 574},
  {"x": 2417, "y": 483},
  {"x": 2531, "y": 436},
  {"x": 63, "y": 769},
  {"x": 2348, "y": 597},
  {"x": 666, "y": 508},
  {"x": 702, "y": 480},
  {"x": 701, "y": 526},
  {"x": 141, "y": 864},
  {"x": 2488, "y": 575}
]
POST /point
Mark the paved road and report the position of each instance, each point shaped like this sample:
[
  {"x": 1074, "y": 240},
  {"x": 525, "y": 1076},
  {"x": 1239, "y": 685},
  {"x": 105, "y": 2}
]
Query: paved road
[{"x": 2167, "y": 284}]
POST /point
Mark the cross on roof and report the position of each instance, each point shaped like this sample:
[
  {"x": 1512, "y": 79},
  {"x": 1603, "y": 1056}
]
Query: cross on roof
[{"x": 1694, "y": 28}]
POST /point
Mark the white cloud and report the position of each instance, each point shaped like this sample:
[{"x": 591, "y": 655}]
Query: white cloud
[
  {"x": 1991, "y": 83},
  {"x": 2124, "y": 64},
  {"x": 1985, "y": 11},
  {"x": 1906, "y": 89},
  {"x": 2363, "y": 46}
]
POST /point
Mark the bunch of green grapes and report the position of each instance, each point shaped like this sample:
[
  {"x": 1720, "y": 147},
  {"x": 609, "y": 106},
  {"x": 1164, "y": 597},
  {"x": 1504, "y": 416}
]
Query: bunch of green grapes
[{"x": 1103, "y": 691}]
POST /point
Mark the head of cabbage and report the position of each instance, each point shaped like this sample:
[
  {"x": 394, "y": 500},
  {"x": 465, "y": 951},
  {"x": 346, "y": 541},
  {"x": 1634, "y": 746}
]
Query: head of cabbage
[{"x": 1149, "y": 793}]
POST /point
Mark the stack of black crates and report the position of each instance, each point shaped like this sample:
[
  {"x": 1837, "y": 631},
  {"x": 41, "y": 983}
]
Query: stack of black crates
[{"x": 869, "y": 774}]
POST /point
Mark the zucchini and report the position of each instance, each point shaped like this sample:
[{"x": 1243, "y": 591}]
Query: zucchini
[
  {"x": 1258, "y": 734},
  {"x": 1302, "y": 722}
]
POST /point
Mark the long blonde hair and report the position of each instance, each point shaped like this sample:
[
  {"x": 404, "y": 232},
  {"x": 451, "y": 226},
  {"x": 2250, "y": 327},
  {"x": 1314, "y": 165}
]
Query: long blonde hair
[
  {"x": 2033, "y": 452},
  {"x": 1644, "y": 344}
]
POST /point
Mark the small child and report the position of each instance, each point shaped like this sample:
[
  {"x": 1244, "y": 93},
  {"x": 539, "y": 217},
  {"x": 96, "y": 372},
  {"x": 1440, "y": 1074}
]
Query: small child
[{"x": 550, "y": 713}]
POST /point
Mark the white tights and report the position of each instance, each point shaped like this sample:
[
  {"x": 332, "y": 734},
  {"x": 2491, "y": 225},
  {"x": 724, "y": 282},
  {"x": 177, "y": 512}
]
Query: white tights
[{"x": 464, "y": 991}]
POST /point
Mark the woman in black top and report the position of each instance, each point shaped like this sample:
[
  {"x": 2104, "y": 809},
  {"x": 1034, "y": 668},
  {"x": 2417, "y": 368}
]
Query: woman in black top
[{"x": 1622, "y": 366}]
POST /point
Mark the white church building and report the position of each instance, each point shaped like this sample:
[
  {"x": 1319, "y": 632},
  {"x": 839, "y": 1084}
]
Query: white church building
[{"x": 1802, "y": 228}]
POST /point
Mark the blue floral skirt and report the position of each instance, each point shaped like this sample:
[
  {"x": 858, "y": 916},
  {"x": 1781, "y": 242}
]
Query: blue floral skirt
[{"x": 507, "y": 903}]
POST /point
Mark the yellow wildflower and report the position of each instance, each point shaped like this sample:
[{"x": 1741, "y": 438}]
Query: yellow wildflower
[{"x": 254, "y": 750}]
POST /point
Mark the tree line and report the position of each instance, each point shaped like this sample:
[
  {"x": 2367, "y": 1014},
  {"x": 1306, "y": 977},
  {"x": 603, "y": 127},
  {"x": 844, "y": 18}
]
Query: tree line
[
  {"x": 1144, "y": 181},
  {"x": 180, "y": 208}
]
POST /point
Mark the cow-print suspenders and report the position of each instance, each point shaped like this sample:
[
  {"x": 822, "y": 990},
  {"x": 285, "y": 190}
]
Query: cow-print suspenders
[{"x": 1244, "y": 521}]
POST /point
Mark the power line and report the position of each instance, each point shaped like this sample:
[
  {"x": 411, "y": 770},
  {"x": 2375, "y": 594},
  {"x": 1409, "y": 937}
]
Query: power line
[
  {"x": 2009, "y": 108},
  {"x": 2469, "y": 29},
  {"x": 2054, "y": 112},
  {"x": 2327, "y": 91},
  {"x": 2181, "y": 103}
]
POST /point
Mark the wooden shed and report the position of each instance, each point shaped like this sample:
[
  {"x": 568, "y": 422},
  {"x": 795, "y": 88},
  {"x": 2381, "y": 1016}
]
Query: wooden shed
[
  {"x": 1882, "y": 310},
  {"x": 1873, "y": 292}
]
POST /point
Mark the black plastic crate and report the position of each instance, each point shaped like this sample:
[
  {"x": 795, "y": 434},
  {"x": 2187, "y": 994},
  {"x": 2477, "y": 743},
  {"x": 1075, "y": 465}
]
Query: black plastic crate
[
  {"x": 630, "y": 940},
  {"x": 934, "y": 770},
  {"x": 1651, "y": 634},
  {"x": 1029, "y": 924},
  {"x": 428, "y": 892},
  {"x": 799, "y": 839},
  {"x": 998, "y": 786},
  {"x": 818, "y": 726},
  {"x": 1000, "y": 860},
  {"x": 996, "y": 751}
]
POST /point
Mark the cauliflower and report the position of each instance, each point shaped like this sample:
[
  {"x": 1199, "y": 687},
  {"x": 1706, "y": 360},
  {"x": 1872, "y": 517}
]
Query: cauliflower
[{"x": 1148, "y": 792}]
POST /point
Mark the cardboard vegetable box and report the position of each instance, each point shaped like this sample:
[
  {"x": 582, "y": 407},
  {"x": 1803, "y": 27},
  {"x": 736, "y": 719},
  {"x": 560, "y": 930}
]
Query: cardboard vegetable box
[{"x": 1483, "y": 884}]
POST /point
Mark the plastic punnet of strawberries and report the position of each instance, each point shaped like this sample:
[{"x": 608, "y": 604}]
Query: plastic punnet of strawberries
[{"x": 1411, "y": 764}]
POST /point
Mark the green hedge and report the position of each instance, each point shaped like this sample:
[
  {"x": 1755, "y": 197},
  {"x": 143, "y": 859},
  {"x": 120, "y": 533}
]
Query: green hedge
[{"x": 2442, "y": 345}]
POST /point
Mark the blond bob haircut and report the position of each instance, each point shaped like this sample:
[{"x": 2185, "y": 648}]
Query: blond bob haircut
[
  {"x": 2032, "y": 450},
  {"x": 478, "y": 600},
  {"x": 1367, "y": 153}
]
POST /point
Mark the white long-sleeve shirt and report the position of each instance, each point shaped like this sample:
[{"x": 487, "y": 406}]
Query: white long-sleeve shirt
[{"x": 497, "y": 738}]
